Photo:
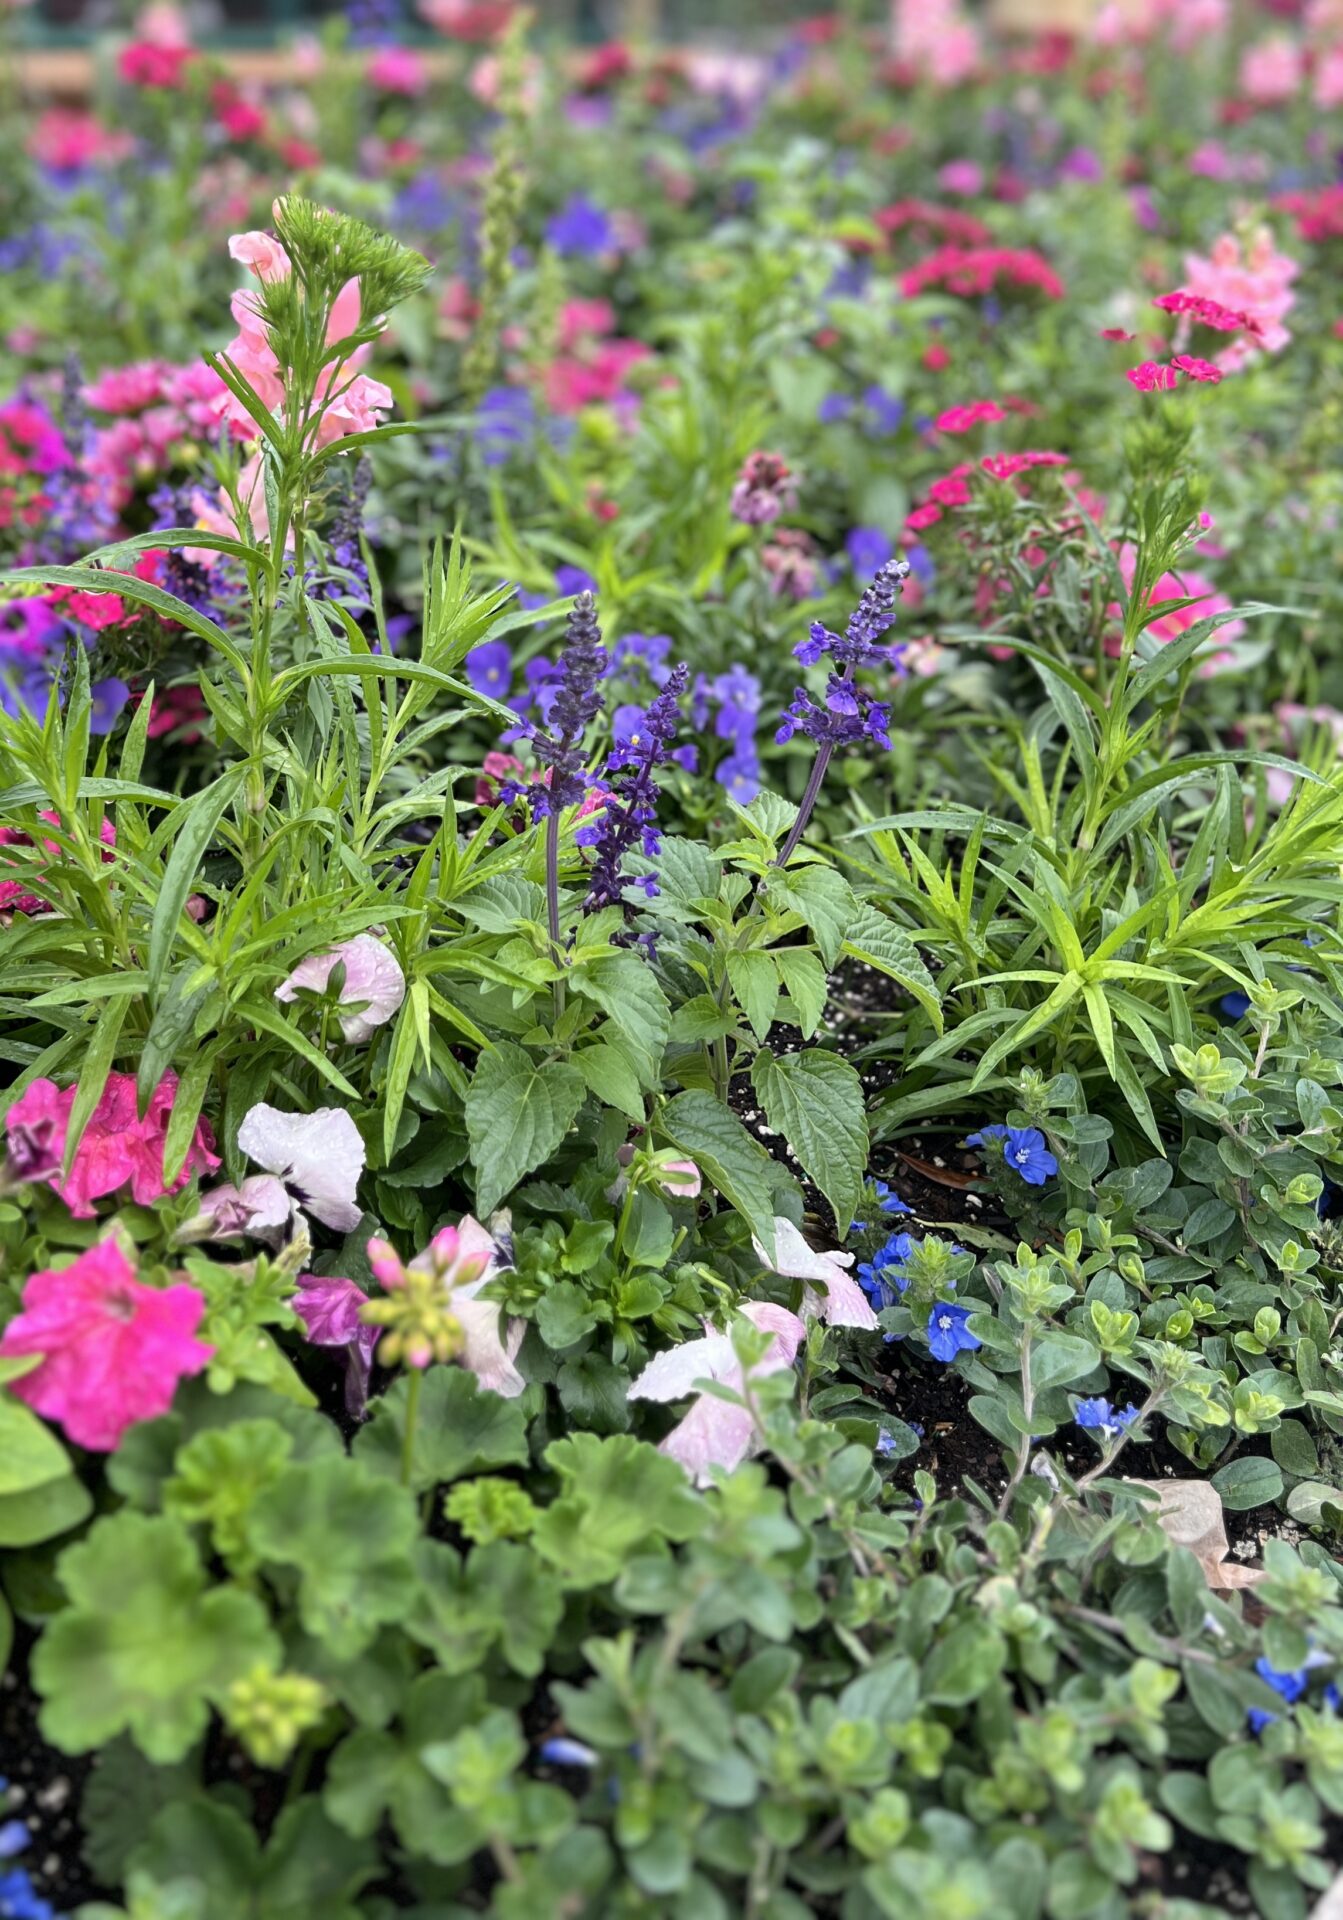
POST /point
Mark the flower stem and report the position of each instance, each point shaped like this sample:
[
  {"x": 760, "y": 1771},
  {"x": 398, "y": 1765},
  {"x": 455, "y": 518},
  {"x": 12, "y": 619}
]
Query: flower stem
[
  {"x": 804, "y": 812},
  {"x": 412, "y": 1417},
  {"x": 553, "y": 901}
]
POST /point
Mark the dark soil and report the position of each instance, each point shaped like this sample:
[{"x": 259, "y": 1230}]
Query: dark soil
[{"x": 44, "y": 1790}]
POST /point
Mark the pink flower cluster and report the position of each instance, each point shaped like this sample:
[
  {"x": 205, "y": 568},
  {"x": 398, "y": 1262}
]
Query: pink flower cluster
[
  {"x": 591, "y": 367},
  {"x": 1251, "y": 278},
  {"x": 973, "y": 413},
  {"x": 971, "y": 271},
  {"x": 117, "y": 1148},
  {"x": 156, "y": 408},
  {"x": 1006, "y": 466},
  {"x": 936, "y": 40},
  {"x": 1155, "y": 376},
  {"x": 66, "y": 139},
  {"x": 765, "y": 488},
  {"x": 928, "y": 221},
  {"x": 112, "y": 1349}
]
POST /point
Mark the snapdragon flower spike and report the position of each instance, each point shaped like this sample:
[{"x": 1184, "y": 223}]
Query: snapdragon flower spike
[
  {"x": 628, "y": 821},
  {"x": 573, "y": 707}
]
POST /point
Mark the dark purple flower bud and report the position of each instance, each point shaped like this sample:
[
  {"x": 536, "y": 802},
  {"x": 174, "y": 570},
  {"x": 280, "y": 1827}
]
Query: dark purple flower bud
[
  {"x": 875, "y": 612},
  {"x": 629, "y": 818},
  {"x": 575, "y": 704}
]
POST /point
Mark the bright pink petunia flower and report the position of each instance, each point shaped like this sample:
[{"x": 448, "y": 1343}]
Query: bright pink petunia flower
[
  {"x": 117, "y": 1148},
  {"x": 113, "y": 1349}
]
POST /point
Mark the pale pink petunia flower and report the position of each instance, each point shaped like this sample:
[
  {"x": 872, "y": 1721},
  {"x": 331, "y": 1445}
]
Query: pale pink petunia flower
[
  {"x": 113, "y": 1349},
  {"x": 259, "y": 1209},
  {"x": 714, "y": 1432},
  {"x": 318, "y": 1156},
  {"x": 374, "y": 983},
  {"x": 116, "y": 1149},
  {"x": 831, "y": 1291}
]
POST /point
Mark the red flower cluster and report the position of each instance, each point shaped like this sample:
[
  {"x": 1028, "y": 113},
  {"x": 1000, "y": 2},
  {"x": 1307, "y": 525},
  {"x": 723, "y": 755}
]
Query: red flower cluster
[
  {"x": 973, "y": 414},
  {"x": 1155, "y": 377},
  {"x": 1318, "y": 213},
  {"x": 1208, "y": 313},
  {"x": 976, "y": 270},
  {"x": 931, "y": 222},
  {"x": 1004, "y": 466}
]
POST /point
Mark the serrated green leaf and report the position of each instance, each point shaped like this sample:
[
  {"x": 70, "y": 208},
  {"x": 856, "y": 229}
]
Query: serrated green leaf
[
  {"x": 518, "y": 1109},
  {"x": 815, "y": 1100}
]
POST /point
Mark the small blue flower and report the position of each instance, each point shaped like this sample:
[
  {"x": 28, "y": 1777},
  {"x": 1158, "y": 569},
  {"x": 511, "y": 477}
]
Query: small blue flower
[
  {"x": 868, "y": 548},
  {"x": 489, "y": 668},
  {"x": 14, "y": 1838},
  {"x": 1259, "y": 1718},
  {"x": 1290, "y": 1685},
  {"x": 581, "y": 226},
  {"x": 875, "y": 1276},
  {"x": 884, "y": 410},
  {"x": 1024, "y": 1151},
  {"x": 1235, "y": 1005},
  {"x": 886, "y": 1202},
  {"x": 1098, "y": 1416},
  {"x": 835, "y": 406},
  {"x": 1332, "y": 1698},
  {"x": 949, "y": 1332},
  {"x": 564, "y": 1752},
  {"x": 885, "y": 1441}
]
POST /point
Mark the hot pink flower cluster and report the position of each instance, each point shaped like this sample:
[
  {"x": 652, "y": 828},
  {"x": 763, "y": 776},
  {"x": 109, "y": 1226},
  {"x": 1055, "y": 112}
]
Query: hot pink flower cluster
[
  {"x": 157, "y": 407},
  {"x": 972, "y": 414},
  {"x": 67, "y": 140},
  {"x": 971, "y": 271},
  {"x": 1190, "y": 585},
  {"x": 1006, "y": 466},
  {"x": 591, "y": 367},
  {"x": 1254, "y": 279},
  {"x": 1155, "y": 376},
  {"x": 928, "y": 221},
  {"x": 1318, "y": 212},
  {"x": 112, "y": 1349},
  {"x": 116, "y": 1149}
]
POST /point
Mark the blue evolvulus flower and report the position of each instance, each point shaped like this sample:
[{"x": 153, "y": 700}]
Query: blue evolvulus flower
[
  {"x": 1098, "y": 1416},
  {"x": 949, "y": 1331},
  {"x": 1024, "y": 1151}
]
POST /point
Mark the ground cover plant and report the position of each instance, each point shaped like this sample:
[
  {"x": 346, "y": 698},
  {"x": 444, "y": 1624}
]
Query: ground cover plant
[{"x": 670, "y": 848}]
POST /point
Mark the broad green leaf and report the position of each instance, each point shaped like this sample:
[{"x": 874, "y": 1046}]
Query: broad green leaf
[
  {"x": 349, "y": 1534},
  {"x": 871, "y": 936},
  {"x": 626, "y": 989},
  {"x": 713, "y": 1137},
  {"x": 821, "y": 898},
  {"x": 518, "y": 1109},
  {"x": 754, "y": 979},
  {"x": 501, "y": 1595},
  {"x": 55, "y": 1507},
  {"x": 30, "y": 1454},
  {"x": 616, "y": 1493},
  {"x": 815, "y": 1100},
  {"x": 461, "y": 1428},
  {"x": 143, "y": 1646}
]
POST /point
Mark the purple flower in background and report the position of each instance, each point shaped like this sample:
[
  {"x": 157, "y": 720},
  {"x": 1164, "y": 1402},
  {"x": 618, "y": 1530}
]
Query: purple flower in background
[
  {"x": 563, "y": 1752},
  {"x": 922, "y": 565},
  {"x": 107, "y": 698},
  {"x": 868, "y": 549},
  {"x": 573, "y": 580},
  {"x": 489, "y": 668},
  {"x": 628, "y": 822},
  {"x": 580, "y": 226},
  {"x": 835, "y": 406},
  {"x": 1082, "y": 163},
  {"x": 949, "y": 1332},
  {"x": 646, "y": 650},
  {"x": 739, "y": 777},
  {"x": 505, "y": 422},
  {"x": 883, "y": 411}
]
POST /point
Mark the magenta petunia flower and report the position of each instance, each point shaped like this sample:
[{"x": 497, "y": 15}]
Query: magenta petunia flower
[
  {"x": 113, "y": 1349},
  {"x": 117, "y": 1148},
  {"x": 330, "y": 1308},
  {"x": 374, "y": 985}
]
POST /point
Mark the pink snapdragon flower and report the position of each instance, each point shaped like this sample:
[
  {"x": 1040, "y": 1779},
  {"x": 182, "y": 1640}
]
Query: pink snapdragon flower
[
  {"x": 1255, "y": 280},
  {"x": 1271, "y": 71},
  {"x": 116, "y": 1149},
  {"x": 374, "y": 983},
  {"x": 830, "y": 1291},
  {"x": 936, "y": 39},
  {"x": 398, "y": 70},
  {"x": 1189, "y": 584},
  {"x": 1326, "y": 88},
  {"x": 714, "y": 1433},
  {"x": 113, "y": 1349}
]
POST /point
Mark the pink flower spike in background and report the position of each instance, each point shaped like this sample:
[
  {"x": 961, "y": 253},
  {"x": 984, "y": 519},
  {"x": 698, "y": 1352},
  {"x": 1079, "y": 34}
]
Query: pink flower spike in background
[
  {"x": 714, "y": 1433},
  {"x": 317, "y": 1156},
  {"x": 113, "y": 1349},
  {"x": 117, "y": 1148},
  {"x": 374, "y": 983},
  {"x": 831, "y": 1291}
]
